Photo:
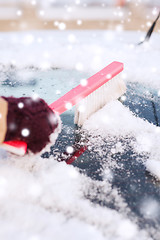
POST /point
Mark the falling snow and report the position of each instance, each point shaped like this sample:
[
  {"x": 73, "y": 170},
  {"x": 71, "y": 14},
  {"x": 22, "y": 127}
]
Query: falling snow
[{"x": 42, "y": 199}]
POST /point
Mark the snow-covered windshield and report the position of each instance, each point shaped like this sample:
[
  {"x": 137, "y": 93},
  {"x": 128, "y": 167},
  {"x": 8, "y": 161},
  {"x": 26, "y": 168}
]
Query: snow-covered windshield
[{"x": 123, "y": 138}]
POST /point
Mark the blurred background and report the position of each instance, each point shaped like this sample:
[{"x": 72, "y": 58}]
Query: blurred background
[{"x": 20, "y": 15}]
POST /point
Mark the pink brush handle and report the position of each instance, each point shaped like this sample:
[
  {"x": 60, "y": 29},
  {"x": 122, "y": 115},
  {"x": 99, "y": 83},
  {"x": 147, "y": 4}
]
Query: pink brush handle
[{"x": 78, "y": 93}]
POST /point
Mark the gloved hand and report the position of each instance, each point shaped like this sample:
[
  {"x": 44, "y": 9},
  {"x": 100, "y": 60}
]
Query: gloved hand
[{"x": 29, "y": 120}]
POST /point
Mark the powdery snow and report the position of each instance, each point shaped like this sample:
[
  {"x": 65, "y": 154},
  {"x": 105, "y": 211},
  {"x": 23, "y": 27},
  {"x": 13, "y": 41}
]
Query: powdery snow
[
  {"x": 117, "y": 120},
  {"x": 43, "y": 199},
  {"x": 87, "y": 51}
]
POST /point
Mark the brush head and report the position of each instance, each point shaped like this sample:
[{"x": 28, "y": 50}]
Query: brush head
[{"x": 111, "y": 90}]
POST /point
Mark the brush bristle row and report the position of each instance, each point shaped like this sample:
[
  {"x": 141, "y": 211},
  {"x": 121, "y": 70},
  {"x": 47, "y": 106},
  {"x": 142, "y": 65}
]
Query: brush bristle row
[{"x": 111, "y": 90}]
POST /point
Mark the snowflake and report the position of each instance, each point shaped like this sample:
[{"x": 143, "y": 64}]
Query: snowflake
[
  {"x": 33, "y": 2},
  {"x": 68, "y": 105},
  {"x": 79, "y": 66},
  {"x": 79, "y": 22},
  {"x": 81, "y": 108},
  {"x": 71, "y": 38},
  {"x": 69, "y": 149},
  {"x": 83, "y": 82},
  {"x": 149, "y": 208},
  {"x": 20, "y": 105},
  {"x": 19, "y": 12},
  {"x": 62, "y": 26},
  {"x": 25, "y": 132}
]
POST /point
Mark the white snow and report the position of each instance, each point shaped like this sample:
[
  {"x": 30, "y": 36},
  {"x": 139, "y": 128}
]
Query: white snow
[
  {"x": 90, "y": 51},
  {"x": 117, "y": 120},
  {"x": 44, "y": 199}
]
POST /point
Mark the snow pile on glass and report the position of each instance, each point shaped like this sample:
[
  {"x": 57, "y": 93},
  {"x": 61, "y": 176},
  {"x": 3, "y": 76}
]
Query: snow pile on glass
[{"x": 44, "y": 199}]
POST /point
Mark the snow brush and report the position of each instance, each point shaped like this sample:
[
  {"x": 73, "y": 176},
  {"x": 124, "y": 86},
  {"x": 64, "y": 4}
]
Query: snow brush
[{"x": 89, "y": 97}]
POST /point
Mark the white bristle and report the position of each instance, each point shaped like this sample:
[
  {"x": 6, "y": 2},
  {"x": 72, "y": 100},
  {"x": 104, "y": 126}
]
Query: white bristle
[{"x": 111, "y": 90}]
